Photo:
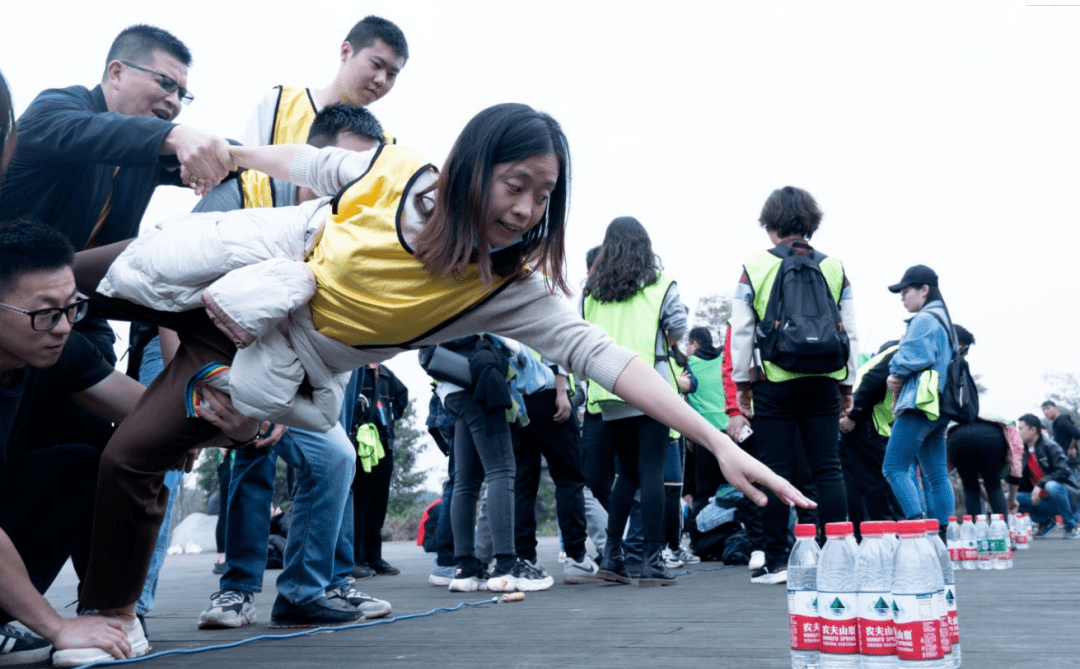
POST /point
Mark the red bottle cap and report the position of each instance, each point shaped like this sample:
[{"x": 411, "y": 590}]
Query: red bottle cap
[
  {"x": 806, "y": 530},
  {"x": 912, "y": 527},
  {"x": 932, "y": 524},
  {"x": 872, "y": 527},
  {"x": 838, "y": 529}
]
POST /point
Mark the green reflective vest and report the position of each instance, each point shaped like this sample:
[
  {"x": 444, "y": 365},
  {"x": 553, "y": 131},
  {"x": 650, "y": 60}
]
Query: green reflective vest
[
  {"x": 762, "y": 268},
  {"x": 632, "y": 324},
  {"x": 708, "y": 399},
  {"x": 883, "y": 414}
]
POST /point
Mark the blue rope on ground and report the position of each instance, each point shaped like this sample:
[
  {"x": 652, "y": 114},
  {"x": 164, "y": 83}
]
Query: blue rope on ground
[
  {"x": 294, "y": 635},
  {"x": 684, "y": 572}
]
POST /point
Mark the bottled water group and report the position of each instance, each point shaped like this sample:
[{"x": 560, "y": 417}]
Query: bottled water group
[{"x": 889, "y": 602}]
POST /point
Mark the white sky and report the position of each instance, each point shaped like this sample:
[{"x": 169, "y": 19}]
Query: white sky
[{"x": 929, "y": 131}]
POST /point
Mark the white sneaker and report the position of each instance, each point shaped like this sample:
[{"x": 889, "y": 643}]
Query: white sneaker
[
  {"x": 687, "y": 556},
  {"x": 671, "y": 560},
  {"x": 228, "y": 608},
  {"x": 463, "y": 582},
  {"x": 76, "y": 657},
  {"x": 757, "y": 560},
  {"x": 368, "y": 605},
  {"x": 580, "y": 573},
  {"x": 523, "y": 577}
]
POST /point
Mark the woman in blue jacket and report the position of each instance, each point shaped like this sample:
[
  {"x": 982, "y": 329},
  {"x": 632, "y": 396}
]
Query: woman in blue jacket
[{"x": 917, "y": 374}]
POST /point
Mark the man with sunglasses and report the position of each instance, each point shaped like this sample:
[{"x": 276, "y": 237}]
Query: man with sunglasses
[{"x": 88, "y": 161}]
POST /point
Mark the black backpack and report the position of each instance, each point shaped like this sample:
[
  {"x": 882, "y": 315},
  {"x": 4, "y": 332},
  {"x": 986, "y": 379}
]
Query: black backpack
[
  {"x": 959, "y": 400},
  {"x": 802, "y": 331}
]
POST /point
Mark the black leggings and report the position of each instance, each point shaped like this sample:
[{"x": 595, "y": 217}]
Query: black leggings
[
  {"x": 979, "y": 450},
  {"x": 640, "y": 445}
]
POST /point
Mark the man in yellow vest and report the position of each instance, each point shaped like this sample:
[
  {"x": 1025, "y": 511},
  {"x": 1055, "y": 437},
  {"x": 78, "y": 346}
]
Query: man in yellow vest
[
  {"x": 794, "y": 414},
  {"x": 371, "y": 57}
]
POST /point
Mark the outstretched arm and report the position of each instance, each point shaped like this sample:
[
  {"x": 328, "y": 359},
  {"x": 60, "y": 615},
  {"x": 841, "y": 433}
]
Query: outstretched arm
[{"x": 642, "y": 387}]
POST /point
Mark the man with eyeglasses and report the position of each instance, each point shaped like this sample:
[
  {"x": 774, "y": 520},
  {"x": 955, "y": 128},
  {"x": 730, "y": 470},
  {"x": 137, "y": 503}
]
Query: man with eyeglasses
[
  {"x": 88, "y": 160},
  {"x": 46, "y": 490}
]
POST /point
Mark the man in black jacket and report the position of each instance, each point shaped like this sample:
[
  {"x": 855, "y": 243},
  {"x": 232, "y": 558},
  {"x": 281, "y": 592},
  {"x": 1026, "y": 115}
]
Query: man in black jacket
[
  {"x": 88, "y": 161},
  {"x": 1066, "y": 434},
  {"x": 1046, "y": 489}
]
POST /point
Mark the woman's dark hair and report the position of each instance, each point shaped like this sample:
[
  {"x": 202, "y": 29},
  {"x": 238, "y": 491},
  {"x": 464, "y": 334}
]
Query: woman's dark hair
[
  {"x": 933, "y": 294},
  {"x": 7, "y": 125},
  {"x": 626, "y": 263},
  {"x": 455, "y": 235},
  {"x": 791, "y": 211}
]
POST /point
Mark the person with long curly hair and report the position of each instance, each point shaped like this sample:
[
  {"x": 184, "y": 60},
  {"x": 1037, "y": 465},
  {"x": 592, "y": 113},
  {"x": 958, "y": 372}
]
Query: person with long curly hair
[{"x": 629, "y": 297}]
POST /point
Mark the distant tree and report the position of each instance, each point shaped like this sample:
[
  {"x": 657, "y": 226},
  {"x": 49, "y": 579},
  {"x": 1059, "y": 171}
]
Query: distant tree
[
  {"x": 406, "y": 480},
  {"x": 713, "y": 312},
  {"x": 1064, "y": 391}
]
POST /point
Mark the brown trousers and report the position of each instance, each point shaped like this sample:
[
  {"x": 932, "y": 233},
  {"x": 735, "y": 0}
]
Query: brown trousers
[{"x": 131, "y": 495}]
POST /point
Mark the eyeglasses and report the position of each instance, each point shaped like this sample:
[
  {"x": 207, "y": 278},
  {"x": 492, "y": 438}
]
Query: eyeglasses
[
  {"x": 167, "y": 83},
  {"x": 46, "y": 319}
]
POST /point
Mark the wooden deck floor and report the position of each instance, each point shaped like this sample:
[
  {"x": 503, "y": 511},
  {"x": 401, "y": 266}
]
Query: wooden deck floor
[{"x": 1028, "y": 616}]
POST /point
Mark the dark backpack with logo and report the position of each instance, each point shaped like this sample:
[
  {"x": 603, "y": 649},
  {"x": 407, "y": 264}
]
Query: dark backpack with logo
[
  {"x": 802, "y": 331},
  {"x": 959, "y": 400}
]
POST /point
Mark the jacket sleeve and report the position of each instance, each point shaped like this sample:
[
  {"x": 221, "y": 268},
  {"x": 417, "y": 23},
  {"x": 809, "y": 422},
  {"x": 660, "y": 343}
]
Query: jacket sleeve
[
  {"x": 918, "y": 350},
  {"x": 61, "y": 127},
  {"x": 673, "y": 314},
  {"x": 1057, "y": 469},
  {"x": 731, "y": 402},
  {"x": 1016, "y": 454},
  {"x": 743, "y": 320},
  {"x": 847, "y": 318},
  {"x": 399, "y": 394},
  {"x": 871, "y": 390},
  {"x": 326, "y": 171}
]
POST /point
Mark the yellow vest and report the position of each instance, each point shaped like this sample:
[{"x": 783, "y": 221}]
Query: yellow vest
[
  {"x": 256, "y": 190},
  {"x": 632, "y": 324},
  {"x": 882, "y": 413},
  {"x": 294, "y": 114},
  {"x": 372, "y": 291},
  {"x": 762, "y": 268}
]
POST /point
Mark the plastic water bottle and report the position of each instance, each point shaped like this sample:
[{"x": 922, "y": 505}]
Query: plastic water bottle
[
  {"x": 873, "y": 572},
  {"x": 967, "y": 538},
  {"x": 982, "y": 541},
  {"x": 838, "y": 599},
  {"x": 1029, "y": 529},
  {"x": 999, "y": 543},
  {"x": 950, "y": 631},
  {"x": 803, "y": 622},
  {"x": 1011, "y": 521},
  {"x": 890, "y": 535},
  {"x": 916, "y": 579},
  {"x": 953, "y": 542}
]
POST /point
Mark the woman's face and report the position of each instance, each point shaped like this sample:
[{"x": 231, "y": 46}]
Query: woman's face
[
  {"x": 914, "y": 297},
  {"x": 518, "y": 197}
]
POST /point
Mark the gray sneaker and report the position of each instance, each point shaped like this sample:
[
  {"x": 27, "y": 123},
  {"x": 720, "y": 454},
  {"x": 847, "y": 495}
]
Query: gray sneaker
[
  {"x": 580, "y": 573},
  {"x": 368, "y": 605},
  {"x": 441, "y": 575},
  {"x": 228, "y": 608}
]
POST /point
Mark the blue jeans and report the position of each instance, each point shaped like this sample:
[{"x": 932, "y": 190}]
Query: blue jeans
[
  {"x": 149, "y": 369},
  {"x": 319, "y": 551},
  {"x": 917, "y": 438},
  {"x": 1058, "y": 503}
]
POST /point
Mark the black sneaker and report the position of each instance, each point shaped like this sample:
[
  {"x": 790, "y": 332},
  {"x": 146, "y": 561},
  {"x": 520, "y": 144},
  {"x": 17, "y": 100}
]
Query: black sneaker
[
  {"x": 770, "y": 575},
  {"x": 18, "y": 646},
  {"x": 318, "y": 613},
  {"x": 383, "y": 568},
  {"x": 362, "y": 571}
]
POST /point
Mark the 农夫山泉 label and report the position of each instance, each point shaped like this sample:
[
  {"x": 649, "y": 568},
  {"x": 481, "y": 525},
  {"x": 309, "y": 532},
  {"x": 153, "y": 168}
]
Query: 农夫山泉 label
[
  {"x": 803, "y": 623},
  {"x": 839, "y": 622},
  {"x": 877, "y": 631},
  {"x": 917, "y": 627},
  {"x": 950, "y": 606}
]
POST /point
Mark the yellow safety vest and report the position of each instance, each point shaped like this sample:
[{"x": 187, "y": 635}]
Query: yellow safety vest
[
  {"x": 762, "y": 268},
  {"x": 293, "y": 115},
  {"x": 372, "y": 291},
  {"x": 632, "y": 324},
  {"x": 882, "y": 413},
  {"x": 256, "y": 190}
]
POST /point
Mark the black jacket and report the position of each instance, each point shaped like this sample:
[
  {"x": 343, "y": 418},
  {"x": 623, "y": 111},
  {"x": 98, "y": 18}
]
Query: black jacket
[
  {"x": 381, "y": 402},
  {"x": 1051, "y": 461},
  {"x": 65, "y": 166},
  {"x": 1065, "y": 431}
]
